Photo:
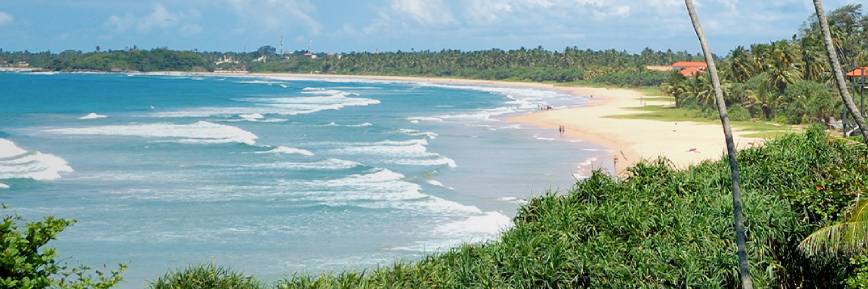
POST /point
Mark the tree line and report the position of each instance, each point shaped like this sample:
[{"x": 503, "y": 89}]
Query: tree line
[
  {"x": 611, "y": 66},
  {"x": 789, "y": 81}
]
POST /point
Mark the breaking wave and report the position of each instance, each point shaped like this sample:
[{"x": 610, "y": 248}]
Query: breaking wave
[
  {"x": 376, "y": 189},
  {"x": 17, "y": 163},
  {"x": 198, "y": 132},
  {"x": 314, "y": 100},
  {"x": 288, "y": 150},
  {"x": 410, "y": 152},
  {"x": 328, "y": 164},
  {"x": 93, "y": 115}
]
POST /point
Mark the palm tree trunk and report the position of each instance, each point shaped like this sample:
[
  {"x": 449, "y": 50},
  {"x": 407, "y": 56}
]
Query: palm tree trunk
[
  {"x": 740, "y": 238},
  {"x": 836, "y": 69}
]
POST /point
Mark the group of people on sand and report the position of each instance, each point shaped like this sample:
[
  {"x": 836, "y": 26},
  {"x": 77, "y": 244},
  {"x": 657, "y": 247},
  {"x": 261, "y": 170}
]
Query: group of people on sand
[
  {"x": 562, "y": 129},
  {"x": 544, "y": 107}
]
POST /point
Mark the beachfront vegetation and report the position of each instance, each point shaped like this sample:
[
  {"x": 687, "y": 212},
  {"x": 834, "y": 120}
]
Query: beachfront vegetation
[
  {"x": 206, "y": 276},
  {"x": 610, "y": 67},
  {"x": 25, "y": 262},
  {"x": 657, "y": 228},
  {"x": 788, "y": 81}
]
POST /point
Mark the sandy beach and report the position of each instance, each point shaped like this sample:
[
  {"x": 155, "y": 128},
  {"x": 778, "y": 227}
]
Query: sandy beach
[{"x": 629, "y": 140}]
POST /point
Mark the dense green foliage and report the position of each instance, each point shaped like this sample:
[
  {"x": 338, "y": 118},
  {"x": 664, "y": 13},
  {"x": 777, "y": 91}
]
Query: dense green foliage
[
  {"x": 536, "y": 64},
  {"x": 789, "y": 80},
  {"x": 572, "y": 64},
  {"x": 25, "y": 263},
  {"x": 657, "y": 228},
  {"x": 206, "y": 277},
  {"x": 859, "y": 277}
]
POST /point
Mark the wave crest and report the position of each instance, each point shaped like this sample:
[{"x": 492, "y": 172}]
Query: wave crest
[
  {"x": 198, "y": 132},
  {"x": 17, "y": 163}
]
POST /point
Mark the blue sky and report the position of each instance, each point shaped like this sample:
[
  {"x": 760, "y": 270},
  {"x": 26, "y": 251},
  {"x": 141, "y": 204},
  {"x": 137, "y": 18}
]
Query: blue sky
[{"x": 385, "y": 25}]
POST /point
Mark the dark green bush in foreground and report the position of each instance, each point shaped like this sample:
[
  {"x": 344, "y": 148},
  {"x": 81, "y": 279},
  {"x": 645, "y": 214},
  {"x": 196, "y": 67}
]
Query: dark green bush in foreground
[
  {"x": 206, "y": 277},
  {"x": 659, "y": 228},
  {"x": 25, "y": 262}
]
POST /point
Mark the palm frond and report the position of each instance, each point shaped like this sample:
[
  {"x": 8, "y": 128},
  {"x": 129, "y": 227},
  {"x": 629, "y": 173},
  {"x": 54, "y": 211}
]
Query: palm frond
[{"x": 848, "y": 237}]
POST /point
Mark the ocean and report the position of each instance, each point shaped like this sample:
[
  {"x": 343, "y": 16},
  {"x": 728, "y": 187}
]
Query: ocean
[{"x": 273, "y": 176}]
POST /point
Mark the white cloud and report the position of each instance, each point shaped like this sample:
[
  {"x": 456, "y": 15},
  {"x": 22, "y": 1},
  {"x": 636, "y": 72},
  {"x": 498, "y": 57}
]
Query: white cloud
[
  {"x": 160, "y": 18},
  {"x": 275, "y": 15},
  {"x": 488, "y": 11},
  {"x": 426, "y": 12},
  {"x": 5, "y": 18}
]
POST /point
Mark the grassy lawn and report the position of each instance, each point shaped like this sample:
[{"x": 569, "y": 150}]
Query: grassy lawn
[{"x": 754, "y": 128}]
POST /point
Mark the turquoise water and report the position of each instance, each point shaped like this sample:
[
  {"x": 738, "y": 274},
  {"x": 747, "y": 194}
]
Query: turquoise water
[{"x": 272, "y": 176}]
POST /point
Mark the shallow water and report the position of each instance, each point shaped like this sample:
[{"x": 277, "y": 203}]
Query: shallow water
[{"x": 272, "y": 177}]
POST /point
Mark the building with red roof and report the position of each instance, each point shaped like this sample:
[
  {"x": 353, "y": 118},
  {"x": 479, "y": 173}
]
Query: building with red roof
[
  {"x": 689, "y": 68},
  {"x": 858, "y": 72}
]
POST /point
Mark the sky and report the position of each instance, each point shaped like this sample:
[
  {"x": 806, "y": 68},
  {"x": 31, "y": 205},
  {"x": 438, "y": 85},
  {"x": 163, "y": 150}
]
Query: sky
[{"x": 389, "y": 25}]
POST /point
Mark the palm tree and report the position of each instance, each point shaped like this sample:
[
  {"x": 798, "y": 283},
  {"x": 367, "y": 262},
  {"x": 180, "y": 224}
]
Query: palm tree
[
  {"x": 743, "y": 271},
  {"x": 836, "y": 70},
  {"x": 782, "y": 66},
  {"x": 847, "y": 237},
  {"x": 741, "y": 65}
]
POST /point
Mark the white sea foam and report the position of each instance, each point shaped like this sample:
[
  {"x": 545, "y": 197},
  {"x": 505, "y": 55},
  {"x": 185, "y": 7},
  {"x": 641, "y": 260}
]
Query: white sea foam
[
  {"x": 3, "y": 186},
  {"x": 410, "y": 152},
  {"x": 519, "y": 100},
  {"x": 513, "y": 200},
  {"x": 17, "y": 163},
  {"x": 588, "y": 162},
  {"x": 198, "y": 132},
  {"x": 328, "y": 164},
  {"x": 313, "y": 101},
  {"x": 475, "y": 228},
  {"x": 93, "y": 115},
  {"x": 440, "y": 161},
  {"x": 378, "y": 189},
  {"x": 417, "y": 119},
  {"x": 413, "y": 132},
  {"x": 512, "y": 126},
  {"x": 584, "y": 168},
  {"x": 364, "y": 124},
  {"x": 259, "y": 81},
  {"x": 251, "y": 116},
  {"x": 489, "y": 224},
  {"x": 288, "y": 150},
  {"x": 543, "y": 138},
  {"x": 438, "y": 184}
]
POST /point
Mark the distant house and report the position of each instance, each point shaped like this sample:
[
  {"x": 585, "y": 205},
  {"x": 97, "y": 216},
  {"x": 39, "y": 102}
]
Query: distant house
[
  {"x": 310, "y": 55},
  {"x": 858, "y": 72},
  {"x": 689, "y": 68},
  {"x": 226, "y": 60},
  {"x": 263, "y": 59}
]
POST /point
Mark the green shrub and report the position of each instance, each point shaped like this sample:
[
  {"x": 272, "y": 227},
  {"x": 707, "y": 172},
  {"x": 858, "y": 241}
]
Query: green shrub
[
  {"x": 206, "y": 277},
  {"x": 738, "y": 113},
  {"x": 658, "y": 228},
  {"x": 858, "y": 279},
  {"x": 25, "y": 263}
]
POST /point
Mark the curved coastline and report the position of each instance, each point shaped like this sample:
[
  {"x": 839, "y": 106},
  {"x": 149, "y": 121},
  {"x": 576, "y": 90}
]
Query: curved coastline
[{"x": 629, "y": 140}]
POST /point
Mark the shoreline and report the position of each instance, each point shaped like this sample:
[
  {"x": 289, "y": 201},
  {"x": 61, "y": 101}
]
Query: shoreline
[
  {"x": 684, "y": 143},
  {"x": 630, "y": 140}
]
